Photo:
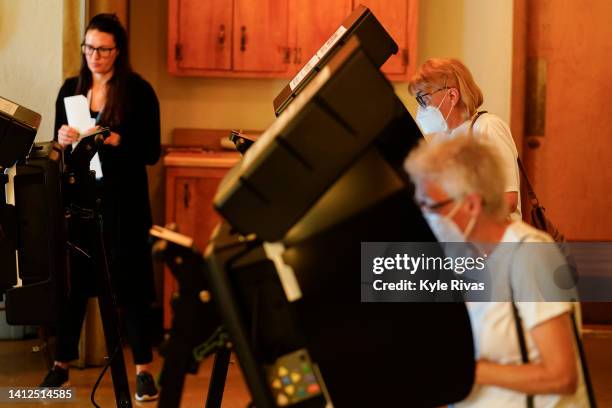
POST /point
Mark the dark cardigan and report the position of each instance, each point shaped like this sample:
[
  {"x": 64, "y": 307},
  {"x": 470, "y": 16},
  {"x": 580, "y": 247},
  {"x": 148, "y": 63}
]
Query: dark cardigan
[{"x": 125, "y": 194}]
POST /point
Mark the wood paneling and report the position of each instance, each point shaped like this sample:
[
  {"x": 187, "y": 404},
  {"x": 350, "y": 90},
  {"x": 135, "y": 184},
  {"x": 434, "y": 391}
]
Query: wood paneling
[{"x": 570, "y": 166}]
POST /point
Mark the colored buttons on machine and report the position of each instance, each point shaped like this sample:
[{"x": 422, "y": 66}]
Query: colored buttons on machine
[
  {"x": 314, "y": 388},
  {"x": 276, "y": 384},
  {"x": 282, "y": 400},
  {"x": 290, "y": 389},
  {"x": 295, "y": 377},
  {"x": 286, "y": 380},
  {"x": 282, "y": 371},
  {"x": 310, "y": 378}
]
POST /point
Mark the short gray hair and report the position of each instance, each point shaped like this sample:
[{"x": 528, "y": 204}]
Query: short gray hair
[{"x": 462, "y": 165}]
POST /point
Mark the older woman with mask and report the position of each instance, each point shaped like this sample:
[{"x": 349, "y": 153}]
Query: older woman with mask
[
  {"x": 448, "y": 99},
  {"x": 459, "y": 186}
]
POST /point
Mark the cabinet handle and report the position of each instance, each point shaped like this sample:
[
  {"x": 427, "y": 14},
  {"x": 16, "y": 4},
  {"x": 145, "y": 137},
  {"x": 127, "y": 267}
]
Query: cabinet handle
[
  {"x": 298, "y": 56},
  {"x": 186, "y": 195},
  {"x": 243, "y": 38},
  {"x": 286, "y": 55},
  {"x": 222, "y": 35},
  {"x": 405, "y": 57}
]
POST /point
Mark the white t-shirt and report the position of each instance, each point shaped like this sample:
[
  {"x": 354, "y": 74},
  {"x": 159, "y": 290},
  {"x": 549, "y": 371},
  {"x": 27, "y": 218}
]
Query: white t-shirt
[
  {"x": 498, "y": 133},
  {"x": 495, "y": 339}
]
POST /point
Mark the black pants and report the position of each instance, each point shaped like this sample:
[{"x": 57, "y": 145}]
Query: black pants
[
  {"x": 84, "y": 283},
  {"x": 137, "y": 323}
]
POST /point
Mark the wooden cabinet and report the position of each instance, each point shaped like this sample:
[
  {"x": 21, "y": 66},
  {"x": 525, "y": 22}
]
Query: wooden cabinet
[
  {"x": 274, "y": 38},
  {"x": 229, "y": 38},
  {"x": 400, "y": 19},
  {"x": 203, "y": 35},
  {"x": 315, "y": 22},
  {"x": 191, "y": 182},
  {"x": 261, "y": 33}
]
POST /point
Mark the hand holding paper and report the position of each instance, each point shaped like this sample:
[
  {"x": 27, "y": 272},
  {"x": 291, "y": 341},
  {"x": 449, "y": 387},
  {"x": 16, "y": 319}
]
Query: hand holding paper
[{"x": 77, "y": 113}]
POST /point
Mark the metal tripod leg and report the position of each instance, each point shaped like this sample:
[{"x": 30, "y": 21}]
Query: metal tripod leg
[
  {"x": 218, "y": 377},
  {"x": 110, "y": 324},
  {"x": 172, "y": 379}
]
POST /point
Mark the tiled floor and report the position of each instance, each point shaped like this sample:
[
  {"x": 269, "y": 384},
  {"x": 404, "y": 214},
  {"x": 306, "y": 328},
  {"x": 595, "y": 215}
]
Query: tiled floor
[{"x": 20, "y": 367}]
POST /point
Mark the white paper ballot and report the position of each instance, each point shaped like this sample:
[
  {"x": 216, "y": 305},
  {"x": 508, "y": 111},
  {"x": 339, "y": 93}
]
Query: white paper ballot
[{"x": 77, "y": 113}]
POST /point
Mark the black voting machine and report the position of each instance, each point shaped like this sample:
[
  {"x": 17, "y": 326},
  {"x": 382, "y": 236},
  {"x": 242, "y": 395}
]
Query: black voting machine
[
  {"x": 55, "y": 203},
  {"x": 281, "y": 274},
  {"x": 33, "y": 226}
]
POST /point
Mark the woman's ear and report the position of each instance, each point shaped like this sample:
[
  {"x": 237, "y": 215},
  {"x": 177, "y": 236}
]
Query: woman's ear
[
  {"x": 454, "y": 96},
  {"x": 474, "y": 204}
]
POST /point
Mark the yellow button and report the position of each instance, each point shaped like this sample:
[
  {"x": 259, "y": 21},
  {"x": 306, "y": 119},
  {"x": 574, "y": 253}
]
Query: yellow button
[
  {"x": 282, "y": 371},
  {"x": 290, "y": 389},
  {"x": 282, "y": 400},
  {"x": 295, "y": 377},
  {"x": 277, "y": 384}
]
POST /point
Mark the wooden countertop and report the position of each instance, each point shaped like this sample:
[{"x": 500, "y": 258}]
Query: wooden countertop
[{"x": 201, "y": 159}]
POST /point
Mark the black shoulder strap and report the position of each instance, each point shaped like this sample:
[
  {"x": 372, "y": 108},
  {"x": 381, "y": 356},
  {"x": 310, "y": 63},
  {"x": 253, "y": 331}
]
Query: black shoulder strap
[
  {"x": 530, "y": 191},
  {"x": 518, "y": 324},
  {"x": 583, "y": 363},
  {"x": 476, "y": 116}
]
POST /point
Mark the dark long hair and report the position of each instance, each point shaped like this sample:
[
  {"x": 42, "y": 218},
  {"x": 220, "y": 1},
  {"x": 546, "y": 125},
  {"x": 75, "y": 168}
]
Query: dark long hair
[{"x": 114, "y": 108}]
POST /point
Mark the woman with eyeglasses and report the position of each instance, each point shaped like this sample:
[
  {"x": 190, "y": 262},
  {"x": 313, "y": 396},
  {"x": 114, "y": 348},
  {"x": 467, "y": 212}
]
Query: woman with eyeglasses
[
  {"x": 525, "y": 345},
  {"x": 449, "y": 99},
  {"x": 121, "y": 100}
]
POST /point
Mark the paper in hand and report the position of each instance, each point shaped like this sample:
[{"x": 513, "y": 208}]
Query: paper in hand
[{"x": 77, "y": 113}]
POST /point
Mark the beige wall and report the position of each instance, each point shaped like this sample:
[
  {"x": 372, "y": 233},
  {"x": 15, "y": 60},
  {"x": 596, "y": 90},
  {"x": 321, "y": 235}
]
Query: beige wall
[
  {"x": 31, "y": 56},
  {"x": 477, "y": 31}
]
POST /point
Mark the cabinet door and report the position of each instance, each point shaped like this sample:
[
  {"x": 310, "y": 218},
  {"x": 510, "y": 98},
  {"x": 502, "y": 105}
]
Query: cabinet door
[
  {"x": 261, "y": 35},
  {"x": 194, "y": 214},
  {"x": 204, "y": 34},
  {"x": 396, "y": 16},
  {"x": 316, "y": 21}
]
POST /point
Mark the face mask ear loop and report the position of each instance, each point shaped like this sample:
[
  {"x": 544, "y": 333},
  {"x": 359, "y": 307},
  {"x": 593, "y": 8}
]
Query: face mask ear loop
[
  {"x": 471, "y": 223},
  {"x": 454, "y": 211},
  {"x": 470, "y": 227}
]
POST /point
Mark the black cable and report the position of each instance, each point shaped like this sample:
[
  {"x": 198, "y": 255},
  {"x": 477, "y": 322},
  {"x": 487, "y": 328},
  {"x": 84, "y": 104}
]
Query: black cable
[{"x": 108, "y": 364}]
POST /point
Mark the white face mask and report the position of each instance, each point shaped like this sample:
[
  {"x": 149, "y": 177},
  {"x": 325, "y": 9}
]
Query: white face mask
[
  {"x": 430, "y": 118},
  {"x": 445, "y": 229}
]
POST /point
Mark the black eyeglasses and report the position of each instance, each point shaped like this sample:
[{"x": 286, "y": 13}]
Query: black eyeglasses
[
  {"x": 420, "y": 97},
  {"x": 103, "y": 52},
  {"x": 435, "y": 206}
]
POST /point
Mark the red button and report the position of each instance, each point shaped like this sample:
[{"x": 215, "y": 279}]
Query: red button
[{"x": 313, "y": 388}]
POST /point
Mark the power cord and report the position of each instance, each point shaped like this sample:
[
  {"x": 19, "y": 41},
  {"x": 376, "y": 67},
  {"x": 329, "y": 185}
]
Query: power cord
[{"x": 108, "y": 363}]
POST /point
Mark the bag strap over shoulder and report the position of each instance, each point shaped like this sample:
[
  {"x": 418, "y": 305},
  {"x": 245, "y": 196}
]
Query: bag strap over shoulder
[
  {"x": 530, "y": 191},
  {"x": 476, "y": 116},
  {"x": 518, "y": 324}
]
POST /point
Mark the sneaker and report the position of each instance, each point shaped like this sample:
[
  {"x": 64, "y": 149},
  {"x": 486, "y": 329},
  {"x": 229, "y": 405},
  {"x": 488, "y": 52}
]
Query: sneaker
[
  {"x": 145, "y": 387},
  {"x": 56, "y": 377}
]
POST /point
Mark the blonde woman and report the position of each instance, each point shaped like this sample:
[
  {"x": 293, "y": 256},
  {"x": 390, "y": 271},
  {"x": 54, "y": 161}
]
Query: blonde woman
[{"x": 449, "y": 99}]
